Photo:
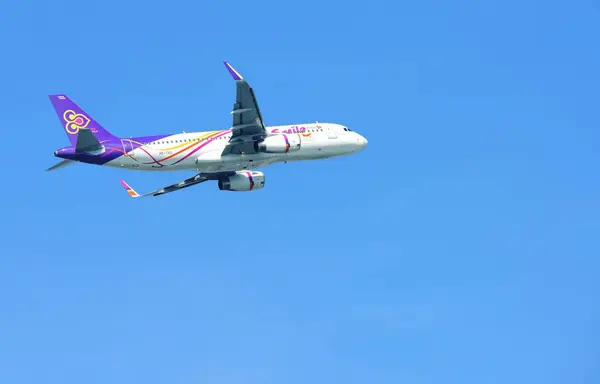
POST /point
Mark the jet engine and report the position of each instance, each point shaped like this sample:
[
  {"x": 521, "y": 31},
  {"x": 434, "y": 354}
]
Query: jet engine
[
  {"x": 281, "y": 143},
  {"x": 242, "y": 181}
]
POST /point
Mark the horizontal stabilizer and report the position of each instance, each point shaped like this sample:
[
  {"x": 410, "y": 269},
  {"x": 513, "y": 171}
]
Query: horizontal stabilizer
[
  {"x": 63, "y": 163},
  {"x": 87, "y": 142}
]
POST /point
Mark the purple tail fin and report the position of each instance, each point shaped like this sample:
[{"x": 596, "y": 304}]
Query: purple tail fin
[{"x": 73, "y": 118}]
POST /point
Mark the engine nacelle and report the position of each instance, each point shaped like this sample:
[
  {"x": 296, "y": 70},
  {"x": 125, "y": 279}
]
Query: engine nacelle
[
  {"x": 281, "y": 143},
  {"x": 242, "y": 181}
]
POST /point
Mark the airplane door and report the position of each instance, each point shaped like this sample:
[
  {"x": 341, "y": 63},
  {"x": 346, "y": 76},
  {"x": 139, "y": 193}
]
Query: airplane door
[{"x": 331, "y": 132}]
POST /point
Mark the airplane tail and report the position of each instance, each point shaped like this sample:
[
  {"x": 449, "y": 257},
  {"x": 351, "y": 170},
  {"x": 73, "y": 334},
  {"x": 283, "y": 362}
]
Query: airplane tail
[{"x": 74, "y": 118}]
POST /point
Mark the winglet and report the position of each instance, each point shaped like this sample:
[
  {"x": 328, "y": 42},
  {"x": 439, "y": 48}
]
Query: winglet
[
  {"x": 236, "y": 76},
  {"x": 129, "y": 190}
]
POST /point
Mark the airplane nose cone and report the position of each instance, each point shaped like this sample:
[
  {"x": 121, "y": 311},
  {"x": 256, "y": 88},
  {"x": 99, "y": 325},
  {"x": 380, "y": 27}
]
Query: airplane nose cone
[{"x": 362, "y": 142}]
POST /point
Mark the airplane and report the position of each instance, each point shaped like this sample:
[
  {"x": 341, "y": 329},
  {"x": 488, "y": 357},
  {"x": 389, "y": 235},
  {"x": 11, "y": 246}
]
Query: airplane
[{"x": 230, "y": 157}]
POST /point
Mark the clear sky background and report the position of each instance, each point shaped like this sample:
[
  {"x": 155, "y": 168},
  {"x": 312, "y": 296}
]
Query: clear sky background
[{"x": 462, "y": 246}]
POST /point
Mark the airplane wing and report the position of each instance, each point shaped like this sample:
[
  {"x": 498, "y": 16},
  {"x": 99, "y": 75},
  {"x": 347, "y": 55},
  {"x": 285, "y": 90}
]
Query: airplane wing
[
  {"x": 171, "y": 188},
  {"x": 248, "y": 125}
]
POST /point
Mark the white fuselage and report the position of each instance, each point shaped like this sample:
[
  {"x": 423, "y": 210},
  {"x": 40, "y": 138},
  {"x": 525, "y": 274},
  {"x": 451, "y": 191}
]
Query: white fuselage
[{"x": 201, "y": 151}]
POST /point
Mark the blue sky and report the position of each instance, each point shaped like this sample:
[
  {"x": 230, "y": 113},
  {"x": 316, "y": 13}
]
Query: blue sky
[{"x": 460, "y": 247}]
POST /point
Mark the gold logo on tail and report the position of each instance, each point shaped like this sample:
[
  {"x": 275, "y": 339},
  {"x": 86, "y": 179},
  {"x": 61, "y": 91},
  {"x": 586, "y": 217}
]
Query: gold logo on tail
[{"x": 75, "y": 121}]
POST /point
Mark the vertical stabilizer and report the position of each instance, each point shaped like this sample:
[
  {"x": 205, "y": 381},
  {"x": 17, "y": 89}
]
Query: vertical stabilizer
[{"x": 74, "y": 118}]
